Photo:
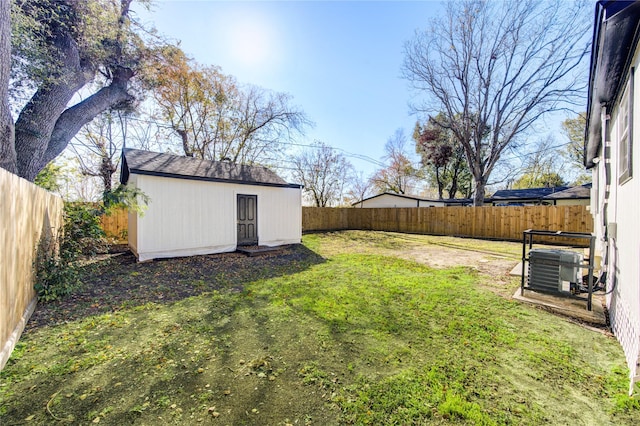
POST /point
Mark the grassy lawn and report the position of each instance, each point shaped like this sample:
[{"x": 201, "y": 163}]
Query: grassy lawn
[{"x": 344, "y": 330}]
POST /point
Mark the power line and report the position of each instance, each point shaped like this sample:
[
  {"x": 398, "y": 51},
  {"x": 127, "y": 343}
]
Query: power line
[{"x": 362, "y": 157}]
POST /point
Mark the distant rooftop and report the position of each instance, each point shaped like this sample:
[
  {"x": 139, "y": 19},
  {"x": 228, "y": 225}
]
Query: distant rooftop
[
  {"x": 419, "y": 198},
  {"x": 575, "y": 192},
  {"x": 526, "y": 194}
]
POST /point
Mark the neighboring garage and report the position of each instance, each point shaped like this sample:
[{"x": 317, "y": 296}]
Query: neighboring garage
[
  {"x": 392, "y": 200},
  {"x": 201, "y": 207}
]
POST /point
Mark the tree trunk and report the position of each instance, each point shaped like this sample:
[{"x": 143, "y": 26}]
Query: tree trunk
[
  {"x": 72, "y": 120},
  {"x": 45, "y": 125},
  {"x": 185, "y": 142},
  {"x": 453, "y": 189},
  {"x": 478, "y": 194},
  {"x": 7, "y": 145},
  {"x": 439, "y": 182},
  {"x": 37, "y": 120},
  {"x": 43, "y": 133},
  {"x": 106, "y": 173}
]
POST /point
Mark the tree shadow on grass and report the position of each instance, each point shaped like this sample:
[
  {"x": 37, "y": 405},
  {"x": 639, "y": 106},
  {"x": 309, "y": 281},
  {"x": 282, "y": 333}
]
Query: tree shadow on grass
[{"x": 120, "y": 282}]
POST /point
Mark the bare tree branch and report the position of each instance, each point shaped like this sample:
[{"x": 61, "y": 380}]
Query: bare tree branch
[
  {"x": 324, "y": 172},
  {"x": 493, "y": 68}
]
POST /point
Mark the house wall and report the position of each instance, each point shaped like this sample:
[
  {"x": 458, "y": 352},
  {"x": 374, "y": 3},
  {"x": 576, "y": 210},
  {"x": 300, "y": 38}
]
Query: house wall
[
  {"x": 190, "y": 217},
  {"x": 387, "y": 201},
  {"x": 515, "y": 202},
  {"x": 431, "y": 203},
  {"x": 546, "y": 202},
  {"x": 573, "y": 202},
  {"x": 618, "y": 228}
]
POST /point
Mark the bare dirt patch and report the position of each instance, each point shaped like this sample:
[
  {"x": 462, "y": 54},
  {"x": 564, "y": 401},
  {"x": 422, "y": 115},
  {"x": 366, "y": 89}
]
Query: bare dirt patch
[
  {"x": 447, "y": 257},
  {"x": 493, "y": 260}
]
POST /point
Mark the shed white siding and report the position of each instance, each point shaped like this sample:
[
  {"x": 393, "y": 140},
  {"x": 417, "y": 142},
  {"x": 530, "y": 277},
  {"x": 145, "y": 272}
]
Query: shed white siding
[
  {"x": 132, "y": 230},
  {"x": 190, "y": 217},
  {"x": 617, "y": 225},
  {"x": 279, "y": 215}
]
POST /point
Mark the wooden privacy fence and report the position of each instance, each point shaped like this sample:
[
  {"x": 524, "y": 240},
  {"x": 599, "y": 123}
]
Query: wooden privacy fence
[
  {"x": 116, "y": 225},
  {"x": 29, "y": 221},
  {"x": 501, "y": 223}
]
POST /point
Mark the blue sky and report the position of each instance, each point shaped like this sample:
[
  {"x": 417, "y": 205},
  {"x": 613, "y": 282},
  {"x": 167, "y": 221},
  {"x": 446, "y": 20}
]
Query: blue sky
[{"x": 339, "y": 60}]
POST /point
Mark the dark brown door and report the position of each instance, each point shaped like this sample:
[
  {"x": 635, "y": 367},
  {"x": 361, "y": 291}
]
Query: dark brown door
[{"x": 247, "y": 220}]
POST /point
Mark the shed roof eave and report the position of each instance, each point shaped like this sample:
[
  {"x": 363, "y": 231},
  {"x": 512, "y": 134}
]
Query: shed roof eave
[{"x": 208, "y": 179}]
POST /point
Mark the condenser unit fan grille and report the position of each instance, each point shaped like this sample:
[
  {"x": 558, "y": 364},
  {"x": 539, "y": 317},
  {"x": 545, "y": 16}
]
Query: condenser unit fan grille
[{"x": 549, "y": 268}]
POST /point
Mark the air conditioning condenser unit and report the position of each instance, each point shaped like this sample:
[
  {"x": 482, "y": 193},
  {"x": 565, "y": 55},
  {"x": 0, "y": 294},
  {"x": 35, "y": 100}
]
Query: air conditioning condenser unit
[{"x": 549, "y": 269}]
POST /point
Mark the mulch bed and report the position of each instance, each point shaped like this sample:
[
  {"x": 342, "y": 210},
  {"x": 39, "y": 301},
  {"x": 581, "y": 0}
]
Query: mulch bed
[{"x": 116, "y": 281}]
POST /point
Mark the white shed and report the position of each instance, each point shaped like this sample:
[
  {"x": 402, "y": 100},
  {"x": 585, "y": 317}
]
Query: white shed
[{"x": 202, "y": 207}]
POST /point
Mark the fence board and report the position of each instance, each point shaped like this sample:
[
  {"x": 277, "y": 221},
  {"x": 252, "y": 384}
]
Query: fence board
[
  {"x": 501, "y": 223},
  {"x": 29, "y": 219}
]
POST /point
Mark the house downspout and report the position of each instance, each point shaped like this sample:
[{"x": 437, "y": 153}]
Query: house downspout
[{"x": 607, "y": 239}]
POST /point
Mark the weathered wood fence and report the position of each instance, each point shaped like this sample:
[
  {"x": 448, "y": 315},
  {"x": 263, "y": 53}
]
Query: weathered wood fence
[
  {"x": 29, "y": 220},
  {"x": 500, "y": 223}
]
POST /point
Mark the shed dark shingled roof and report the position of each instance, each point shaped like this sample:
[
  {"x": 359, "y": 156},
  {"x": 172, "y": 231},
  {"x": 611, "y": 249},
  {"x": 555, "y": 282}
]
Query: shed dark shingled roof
[{"x": 175, "y": 166}]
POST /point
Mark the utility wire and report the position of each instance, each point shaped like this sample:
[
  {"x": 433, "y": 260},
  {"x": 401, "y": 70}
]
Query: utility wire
[{"x": 362, "y": 157}]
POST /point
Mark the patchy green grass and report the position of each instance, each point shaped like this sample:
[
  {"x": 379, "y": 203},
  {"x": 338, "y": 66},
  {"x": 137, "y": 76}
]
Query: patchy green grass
[
  {"x": 390, "y": 242},
  {"x": 363, "y": 337}
]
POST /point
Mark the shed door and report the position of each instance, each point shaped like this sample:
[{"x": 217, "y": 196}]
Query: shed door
[{"x": 247, "y": 220}]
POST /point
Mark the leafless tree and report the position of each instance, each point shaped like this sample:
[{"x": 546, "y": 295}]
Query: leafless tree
[
  {"x": 215, "y": 117},
  {"x": 573, "y": 130},
  {"x": 324, "y": 172},
  {"x": 360, "y": 187},
  {"x": 400, "y": 175},
  {"x": 98, "y": 145},
  {"x": 497, "y": 67},
  {"x": 542, "y": 166},
  {"x": 262, "y": 120}
]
